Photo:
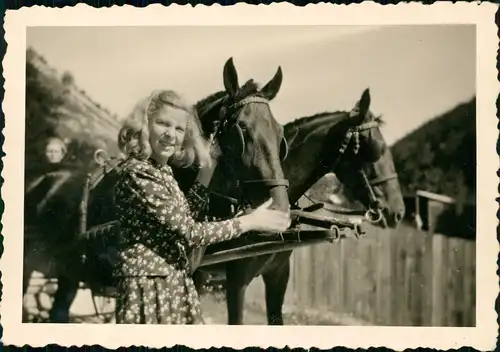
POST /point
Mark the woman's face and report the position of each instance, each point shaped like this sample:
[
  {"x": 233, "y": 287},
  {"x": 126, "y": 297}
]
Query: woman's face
[
  {"x": 166, "y": 132},
  {"x": 54, "y": 153}
]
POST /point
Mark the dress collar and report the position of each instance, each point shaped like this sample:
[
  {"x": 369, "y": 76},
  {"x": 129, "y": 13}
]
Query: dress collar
[{"x": 159, "y": 166}]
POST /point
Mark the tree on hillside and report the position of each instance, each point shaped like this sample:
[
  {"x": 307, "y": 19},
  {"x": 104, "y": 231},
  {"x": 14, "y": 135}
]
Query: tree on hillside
[
  {"x": 51, "y": 111},
  {"x": 30, "y": 54},
  {"x": 43, "y": 121},
  {"x": 68, "y": 79},
  {"x": 41, "y": 116}
]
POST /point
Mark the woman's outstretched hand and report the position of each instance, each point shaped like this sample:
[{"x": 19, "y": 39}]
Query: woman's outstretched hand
[{"x": 264, "y": 219}]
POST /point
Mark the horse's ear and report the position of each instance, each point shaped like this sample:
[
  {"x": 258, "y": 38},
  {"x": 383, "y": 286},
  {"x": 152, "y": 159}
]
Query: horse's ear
[
  {"x": 364, "y": 102},
  {"x": 362, "y": 106},
  {"x": 230, "y": 77},
  {"x": 271, "y": 89}
]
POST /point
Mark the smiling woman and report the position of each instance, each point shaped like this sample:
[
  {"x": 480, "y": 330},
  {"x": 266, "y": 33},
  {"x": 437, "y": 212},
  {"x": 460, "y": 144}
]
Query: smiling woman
[
  {"x": 157, "y": 221},
  {"x": 172, "y": 133}
]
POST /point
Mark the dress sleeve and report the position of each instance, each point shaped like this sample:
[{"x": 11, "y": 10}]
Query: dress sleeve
[
  {"x": 197, "y": 198},
  {"x": 160, "y": 204}
]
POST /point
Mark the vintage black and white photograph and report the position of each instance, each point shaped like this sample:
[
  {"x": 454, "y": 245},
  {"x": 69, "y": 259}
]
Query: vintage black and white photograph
[{"x": 312, "y": 175}]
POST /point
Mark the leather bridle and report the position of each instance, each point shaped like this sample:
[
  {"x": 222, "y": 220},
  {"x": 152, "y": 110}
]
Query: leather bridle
[
  {"x": 374, "y": 214},
  {"x": 229, "y": 119}
]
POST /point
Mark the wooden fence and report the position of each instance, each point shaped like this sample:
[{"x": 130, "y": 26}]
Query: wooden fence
[{"x": 403, "y": 277}]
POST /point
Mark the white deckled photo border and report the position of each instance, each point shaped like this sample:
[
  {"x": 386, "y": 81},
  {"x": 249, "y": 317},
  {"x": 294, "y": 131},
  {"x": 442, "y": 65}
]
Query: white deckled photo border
[{"x": 482, "y": 337}]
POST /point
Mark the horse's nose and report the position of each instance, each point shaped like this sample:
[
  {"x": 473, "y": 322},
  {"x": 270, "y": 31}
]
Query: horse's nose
[{"x": 398, "y": 216}]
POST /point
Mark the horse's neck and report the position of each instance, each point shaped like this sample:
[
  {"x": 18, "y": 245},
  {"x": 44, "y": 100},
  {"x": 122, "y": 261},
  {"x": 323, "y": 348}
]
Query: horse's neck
[
  {"x": 224, "y": 179},
  {"x": 307, "y": 149}
]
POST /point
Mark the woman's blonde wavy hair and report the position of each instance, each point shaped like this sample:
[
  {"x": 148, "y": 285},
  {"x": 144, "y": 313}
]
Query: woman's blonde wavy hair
[{"x": 133, "y": 137}]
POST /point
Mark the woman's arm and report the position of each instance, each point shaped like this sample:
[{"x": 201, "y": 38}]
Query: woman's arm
[{"x": 145, "y": 186}]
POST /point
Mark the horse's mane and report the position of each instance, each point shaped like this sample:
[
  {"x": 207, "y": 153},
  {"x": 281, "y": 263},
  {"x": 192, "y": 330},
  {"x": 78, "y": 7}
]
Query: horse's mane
[
  {"x": 310, "y": 118},
  {"x": 204, "y": 105},
  {"x": 249, "y": 88}
]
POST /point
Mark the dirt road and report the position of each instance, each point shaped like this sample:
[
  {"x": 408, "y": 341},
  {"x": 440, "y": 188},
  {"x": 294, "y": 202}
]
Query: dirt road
[{"x": 213, "y": 306}]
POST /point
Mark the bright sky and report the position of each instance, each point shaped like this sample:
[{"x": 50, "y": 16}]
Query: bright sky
[{"x": 413, "y": 72}]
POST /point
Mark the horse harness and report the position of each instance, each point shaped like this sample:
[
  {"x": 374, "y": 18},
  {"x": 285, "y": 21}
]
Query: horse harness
[
  {"x": 228, "y": 121},
  {"x": 374, "y": 214}
]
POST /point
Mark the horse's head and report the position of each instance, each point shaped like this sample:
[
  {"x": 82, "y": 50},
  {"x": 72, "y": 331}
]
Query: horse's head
[
  {"x": 351, "y": 145},
  {"x": 249, "y": 139},
  {"x": 367, "y": 169}
]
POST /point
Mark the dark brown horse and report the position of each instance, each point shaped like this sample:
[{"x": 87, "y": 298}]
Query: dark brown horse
[
  {"x": 347, "y": 143},
  {"x": 250, "y": 143}
]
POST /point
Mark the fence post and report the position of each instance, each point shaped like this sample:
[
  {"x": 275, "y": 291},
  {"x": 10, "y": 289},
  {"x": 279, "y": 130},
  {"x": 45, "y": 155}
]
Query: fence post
[{"x": 437, "y": 269}]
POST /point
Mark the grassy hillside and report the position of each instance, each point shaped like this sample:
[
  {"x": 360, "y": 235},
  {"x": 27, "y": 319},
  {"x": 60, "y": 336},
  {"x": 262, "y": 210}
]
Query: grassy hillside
[
  {"x": 440, "y": 156},
  {"x": 55, "y": 106}
]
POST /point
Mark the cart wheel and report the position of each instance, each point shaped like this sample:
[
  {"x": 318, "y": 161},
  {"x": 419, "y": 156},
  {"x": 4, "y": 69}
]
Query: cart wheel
[{"x": 104, "y": 307}]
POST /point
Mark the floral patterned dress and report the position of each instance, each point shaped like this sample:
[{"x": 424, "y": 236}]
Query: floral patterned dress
[{"x": 157, "y": 229}]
